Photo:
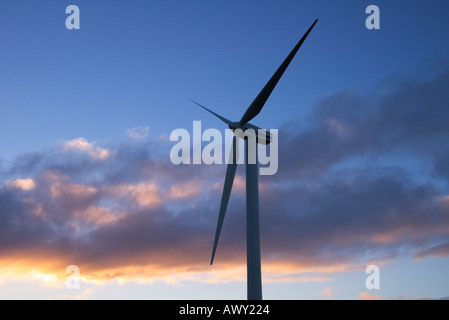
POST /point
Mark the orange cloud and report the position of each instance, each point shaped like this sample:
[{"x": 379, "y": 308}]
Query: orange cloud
[
  {"x": 81, "y": 144},
  {"x": 238, "y": 185},
  {"x": 145, "y": 194},
  {"x": 36, "y": 208},
  {"x": 59, "y": 189},
  {"x": 326, "y": 293},
  {"x": 22, "y": 184},
  {"x": 97, "y": 215},
  {"x": 100, "y": 153},
  {"x": 185, "y": 190},
  {"x": 444, "y": 201},
  {"x": 368, "y": 296}
]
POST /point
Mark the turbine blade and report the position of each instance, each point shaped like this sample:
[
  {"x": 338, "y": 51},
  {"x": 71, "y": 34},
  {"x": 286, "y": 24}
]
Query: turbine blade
[
  {"x": 230, "y": 174},
  {"x": 258, "y": 103},
  {"x": 215, "y": 114}
]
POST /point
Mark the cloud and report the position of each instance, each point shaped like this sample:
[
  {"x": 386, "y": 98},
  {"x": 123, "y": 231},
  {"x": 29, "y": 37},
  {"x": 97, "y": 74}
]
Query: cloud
[
  {"x": 71, "y": 190},
  {"x": 368, "y": 296},
  {"x": 85, "y": 294},
  {"x": 185, "y": 190},
  {"x": 144, "y": 194},
  {"x": 406, "y": 119},
  {"x": 22, "y": 184},
  {"x": 365, "y": 181},
  {"x": 97, "y": 215},
  {"x": 81, "y": 144},
  {"x": 326, "y": 293},
  {"x": 138, "y": 133}
]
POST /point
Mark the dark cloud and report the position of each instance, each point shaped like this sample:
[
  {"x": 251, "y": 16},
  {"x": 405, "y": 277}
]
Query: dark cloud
[
  {"x": 341, "y": 194},
  {"x": 409, "y": 118},
  {"x": 441, "y": 162}
]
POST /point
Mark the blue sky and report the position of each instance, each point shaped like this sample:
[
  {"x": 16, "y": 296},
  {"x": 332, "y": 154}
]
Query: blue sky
[
  {"x": 130, "y": 64},
  {"x": 362, "y": 122}
]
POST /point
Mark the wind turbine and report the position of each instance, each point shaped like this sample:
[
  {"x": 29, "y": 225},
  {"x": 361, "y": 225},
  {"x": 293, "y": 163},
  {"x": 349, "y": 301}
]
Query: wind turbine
[{"x": 254, "y": 275}]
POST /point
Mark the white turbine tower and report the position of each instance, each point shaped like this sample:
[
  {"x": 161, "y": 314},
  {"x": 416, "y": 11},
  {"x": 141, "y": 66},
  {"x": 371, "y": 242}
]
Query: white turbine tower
[{"x": 254, "y": 275}]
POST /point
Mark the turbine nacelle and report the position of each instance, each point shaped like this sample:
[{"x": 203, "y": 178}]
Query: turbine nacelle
[
  {"x": 249, "y": 131},
  {"x": 235, "y": 125},
  {"x": 241, "y": 129}
]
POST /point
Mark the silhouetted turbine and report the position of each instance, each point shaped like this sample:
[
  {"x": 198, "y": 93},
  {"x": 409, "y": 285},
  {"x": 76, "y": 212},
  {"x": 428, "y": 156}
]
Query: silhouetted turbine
[{"x": 254, "y": 277}]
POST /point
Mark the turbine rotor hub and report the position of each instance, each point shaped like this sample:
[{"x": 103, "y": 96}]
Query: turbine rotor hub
[{"x": 236, "y": 125}]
